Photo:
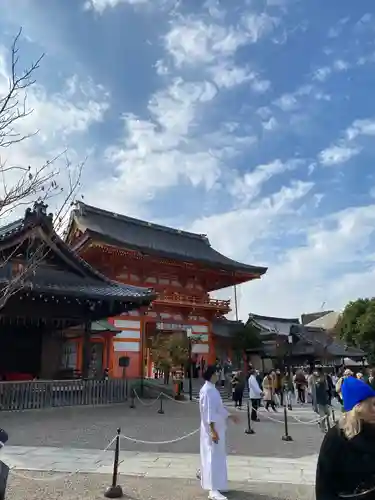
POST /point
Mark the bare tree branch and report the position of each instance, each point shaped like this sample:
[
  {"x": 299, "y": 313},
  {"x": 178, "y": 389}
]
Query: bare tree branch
[{"x": 23, "y": 185}]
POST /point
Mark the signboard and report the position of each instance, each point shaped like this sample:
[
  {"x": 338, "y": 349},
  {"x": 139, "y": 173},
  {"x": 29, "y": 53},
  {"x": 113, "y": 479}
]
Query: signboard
[{"x": 171, "y": 326}]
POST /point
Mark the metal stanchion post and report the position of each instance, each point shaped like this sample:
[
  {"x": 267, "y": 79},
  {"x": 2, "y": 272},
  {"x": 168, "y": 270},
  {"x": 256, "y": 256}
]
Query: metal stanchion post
[
  {"x": 115, "y": 490},
  {"x": 286, "y": 436},
  {"x": 249, "y": 430},
  {"x": 132, "y": 402},
  {"x": 333, "y": 415},
  {"x": 160, "y": 410},
  {"x": 328, "y": 422}
]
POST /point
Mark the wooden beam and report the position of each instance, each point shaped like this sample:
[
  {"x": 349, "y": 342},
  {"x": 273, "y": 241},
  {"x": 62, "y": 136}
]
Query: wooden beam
[{"x": 86, "y": 354}]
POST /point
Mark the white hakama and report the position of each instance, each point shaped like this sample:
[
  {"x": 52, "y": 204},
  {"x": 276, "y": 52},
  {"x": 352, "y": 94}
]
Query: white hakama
[{"x": 214, "y": 475}]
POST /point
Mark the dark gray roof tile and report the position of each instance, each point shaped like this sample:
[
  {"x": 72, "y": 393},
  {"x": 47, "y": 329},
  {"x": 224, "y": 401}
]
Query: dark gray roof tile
[{"x": 153, "y": 238}]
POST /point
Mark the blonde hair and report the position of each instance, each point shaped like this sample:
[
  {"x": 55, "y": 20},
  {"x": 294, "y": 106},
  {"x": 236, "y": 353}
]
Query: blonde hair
[{"x": 351, "y": 421}]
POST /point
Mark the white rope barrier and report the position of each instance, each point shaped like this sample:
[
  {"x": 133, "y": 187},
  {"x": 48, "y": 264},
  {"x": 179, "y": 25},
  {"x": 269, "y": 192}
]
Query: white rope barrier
[
  {"x": 298, "y": 421},
  {"x": 147, "y": 404},
  {"x": 166, "y": 396},
  {"x": 170, "y": 441},
  {"x": 14, "y": 471}
]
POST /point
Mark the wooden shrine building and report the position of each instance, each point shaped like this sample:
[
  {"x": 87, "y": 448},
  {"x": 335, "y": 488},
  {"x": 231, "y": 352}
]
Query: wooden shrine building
[
  {"x": 286, "y": 340},
  {"x": 48, "y": 294},
  {"x": 181, "y": 266}
]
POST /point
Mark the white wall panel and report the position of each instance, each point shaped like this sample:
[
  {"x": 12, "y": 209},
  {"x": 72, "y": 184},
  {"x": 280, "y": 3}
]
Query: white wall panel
[
  {"x": 200, "y": 328},
  {"x": 129, "y": 334},
  {"x": 124, "y": 323},
  {"x": 126, "y": 346},
  {"x": 200, "y": 348}
]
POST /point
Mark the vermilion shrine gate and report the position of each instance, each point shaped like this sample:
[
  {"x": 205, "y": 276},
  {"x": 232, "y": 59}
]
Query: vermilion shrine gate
[{"x": 180, "y": 266}]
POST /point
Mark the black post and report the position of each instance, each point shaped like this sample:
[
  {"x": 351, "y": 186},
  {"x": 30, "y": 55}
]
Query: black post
[
  {"x": 160, "y": 410},
  {"x": 190, "y": 374},
  {"x": 132, "y": 402},
  {"x": 333, "y": 415},
  {"x": 249, "y": 430},
  {"x": 4, "y": 472},
  {"x": 286, "y": 436},
  {"x": 115, "y": 490}
]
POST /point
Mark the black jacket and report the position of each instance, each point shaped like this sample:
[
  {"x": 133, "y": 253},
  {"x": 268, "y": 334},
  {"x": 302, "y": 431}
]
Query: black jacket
[
  {"x": 346, "y": 466},
  {"x": 321, "y": 392}
]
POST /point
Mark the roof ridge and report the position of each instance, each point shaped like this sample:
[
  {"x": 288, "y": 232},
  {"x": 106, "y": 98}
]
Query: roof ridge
[
  {"x": 107, "y": 213},
  {"x": 10, "y": 226},
  {"x": 274, "y": 318}
]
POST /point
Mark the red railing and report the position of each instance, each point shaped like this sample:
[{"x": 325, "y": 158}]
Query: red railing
[{"x": 192, "y": 301}]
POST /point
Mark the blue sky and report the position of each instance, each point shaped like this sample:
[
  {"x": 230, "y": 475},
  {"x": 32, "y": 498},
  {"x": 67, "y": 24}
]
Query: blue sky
[{"x": 250, "y": 121}]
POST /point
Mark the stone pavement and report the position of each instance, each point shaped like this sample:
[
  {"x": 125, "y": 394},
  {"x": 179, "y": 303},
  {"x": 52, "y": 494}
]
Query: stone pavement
[
  {"x": 93, "y": 427},
  {"x": 91, "y": 487},
  {"x": 299, "y": 471}
]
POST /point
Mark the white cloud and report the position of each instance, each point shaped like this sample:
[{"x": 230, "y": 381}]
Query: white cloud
[
  {"x": 270, "y": 124},
  {"x": 211, "y": 46},
  {"x": 193, "y": 41},
  {"x": 287, "y": 102},
  {"x": 164, "y": 151},
  {"x": 338, "y": 66},
  {"x": 261, "y": 86},
  {"x": 61, "y": 120},
  {"x": 324, "y": 267},
  {"x": 101, "y": 5},
  {"x": 233, "y": 232},
  {"x": 321, "y": 74},
  {"x": 341, "y": 65},
  {"x": 361, "y": 127},
  {"x": 336, "y": 155},
  {"x": 259, "y": 25},
  {"x": 215, "y": 10},
  {"x": 349, "y": 146},
  {"x": 247, "y": 187},
  {"x": 172, "y": 146},
  {"x": 226, "y": 76}
]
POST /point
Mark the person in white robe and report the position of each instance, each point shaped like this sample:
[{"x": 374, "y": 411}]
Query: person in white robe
[{"x": 214, "y": 416}]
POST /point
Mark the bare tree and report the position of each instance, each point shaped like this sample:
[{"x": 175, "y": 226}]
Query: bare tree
[{"x": 23, "y": 185}]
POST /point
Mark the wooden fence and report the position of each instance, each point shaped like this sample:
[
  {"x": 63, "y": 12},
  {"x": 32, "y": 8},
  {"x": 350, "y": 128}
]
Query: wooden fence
[{"x": 56, "y": 393}]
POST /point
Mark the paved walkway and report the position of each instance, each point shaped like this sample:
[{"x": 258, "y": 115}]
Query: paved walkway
[
  {"x": 299, "y": 471},
  {"x": 92, "y": 487},
  {"x": 93, "y": 427}
]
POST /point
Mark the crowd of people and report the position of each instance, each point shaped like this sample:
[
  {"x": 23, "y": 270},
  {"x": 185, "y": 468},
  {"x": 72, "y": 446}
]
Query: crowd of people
[
  {"x": 314, "y": 386},
  {"x": 346, "y": 462}
]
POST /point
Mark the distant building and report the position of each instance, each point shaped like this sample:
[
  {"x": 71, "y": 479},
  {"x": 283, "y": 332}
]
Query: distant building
[
  {"x": 308, "y": 318},
  {"x": 286, "y": 340},
  {"x": 327, "y": 321}
]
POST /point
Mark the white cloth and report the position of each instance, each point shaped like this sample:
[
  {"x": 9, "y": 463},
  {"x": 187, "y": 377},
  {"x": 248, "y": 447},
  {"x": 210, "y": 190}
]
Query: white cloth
[
  {"x": 255, "y": 392},
  {"x": 213, "y": 455}
]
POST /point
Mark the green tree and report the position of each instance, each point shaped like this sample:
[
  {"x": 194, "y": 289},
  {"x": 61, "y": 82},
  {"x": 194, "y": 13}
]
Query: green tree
[
  {"x": 170, "y": 350},
  {"x": 246, "y": 339},
  {"x": 356, "y": 325}
]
